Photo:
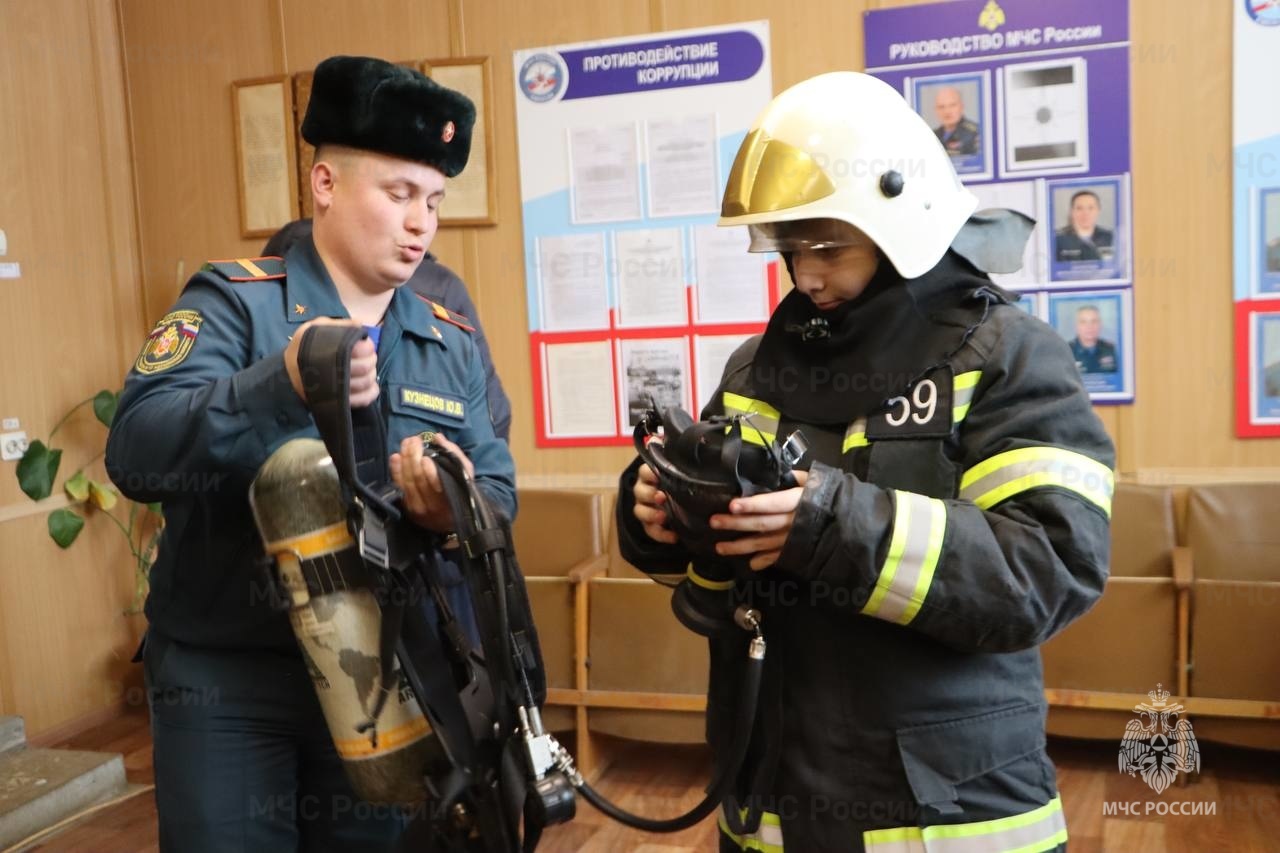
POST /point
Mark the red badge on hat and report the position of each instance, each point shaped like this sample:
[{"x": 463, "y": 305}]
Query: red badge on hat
[{"x": 447, "y": 133}]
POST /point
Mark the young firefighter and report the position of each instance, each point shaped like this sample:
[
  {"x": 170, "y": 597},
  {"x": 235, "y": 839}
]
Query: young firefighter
[{"x": 955, "y": 512}]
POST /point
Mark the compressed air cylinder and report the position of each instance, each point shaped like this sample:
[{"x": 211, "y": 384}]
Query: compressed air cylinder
[{"x": 297, "y": 504}]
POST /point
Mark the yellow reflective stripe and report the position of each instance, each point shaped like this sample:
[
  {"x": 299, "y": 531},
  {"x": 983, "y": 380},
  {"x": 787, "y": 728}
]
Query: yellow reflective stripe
[
  {"x": 1038, "y": 830},
  {"x": 900, "y": 840},
  {"x": 761, "y": 424},
  {"x": 706, "y": 583},
  {"x": 1015, "y": 471},
  {"x": 768, "y": 838},
  {"x": 740, "y": 405},
  {"x": 919, "y": 526},
  {"x": 855, "y": 436},
  {"x": 962, "y": 394}
]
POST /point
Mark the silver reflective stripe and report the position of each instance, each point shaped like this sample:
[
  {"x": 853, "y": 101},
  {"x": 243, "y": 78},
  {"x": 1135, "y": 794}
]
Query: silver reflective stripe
[
  {"x": 761, "y": 421},
  {"x": 1015, "y": 471},
  {"x": 1032, "y": 832},
  {"x": 906, "y": 840},
  {"x": 962, "y": 394},
  {"x": 919, "y": 525}
]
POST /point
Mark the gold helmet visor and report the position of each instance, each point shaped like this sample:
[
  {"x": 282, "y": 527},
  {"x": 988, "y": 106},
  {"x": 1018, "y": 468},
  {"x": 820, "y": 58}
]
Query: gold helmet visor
[{"x": 770, "y": 175}]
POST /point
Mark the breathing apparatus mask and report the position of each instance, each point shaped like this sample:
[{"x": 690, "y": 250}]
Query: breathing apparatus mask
[{"x": 702, "y": 466}]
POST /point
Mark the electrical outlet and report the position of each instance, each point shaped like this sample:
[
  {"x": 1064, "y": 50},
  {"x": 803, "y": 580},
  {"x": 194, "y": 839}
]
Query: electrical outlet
[
  {"x": 12, "y": 445},
  {"x": 10, "y": 424}
]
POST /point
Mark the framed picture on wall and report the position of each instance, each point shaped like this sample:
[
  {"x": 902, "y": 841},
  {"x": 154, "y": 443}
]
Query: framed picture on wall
[
  {"x": 266, "y": 167},
  {"x": 1045, "y": 121},
  {"x": 958, "y": 108},
  {"x": 1258, "y": 368},
  {"x": 471, "y": 197},
  {"x": 1088, "y": 229},
  {"x": 1267, "y": 255},
  {"x": 1098, "y": 326}
]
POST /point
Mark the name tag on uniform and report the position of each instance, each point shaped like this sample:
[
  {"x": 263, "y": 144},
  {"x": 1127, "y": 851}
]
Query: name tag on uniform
[
  {"x": 922, "y": 412},
  {"x": 430, "y": 401}
]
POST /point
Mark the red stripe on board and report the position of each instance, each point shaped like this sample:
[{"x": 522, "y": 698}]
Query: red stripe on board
[{"x": 539, "y": 339}]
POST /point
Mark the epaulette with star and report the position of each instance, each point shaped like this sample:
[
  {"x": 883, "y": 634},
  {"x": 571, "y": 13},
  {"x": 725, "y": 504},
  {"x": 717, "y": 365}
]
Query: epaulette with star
[
  {"x": 443, "y": 313},
  {"x": 248, "y": 269}
]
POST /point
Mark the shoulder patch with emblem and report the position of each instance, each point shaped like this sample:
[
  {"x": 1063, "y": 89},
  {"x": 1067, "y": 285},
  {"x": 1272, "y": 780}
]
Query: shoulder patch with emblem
[
  {"x": 443, "y": 313},
  {"x": 169, "y": 342},
  {"x": 248, "y": 269}
]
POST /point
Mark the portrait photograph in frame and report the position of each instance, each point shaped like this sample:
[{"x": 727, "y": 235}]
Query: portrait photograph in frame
[
  {"x": 1098, "y": 326},
  {"x": 1088, "y": 230},
  {"x": 957, "y": 107}
]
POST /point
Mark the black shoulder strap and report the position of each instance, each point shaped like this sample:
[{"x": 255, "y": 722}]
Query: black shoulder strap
[{"x": 355, "y": 438}]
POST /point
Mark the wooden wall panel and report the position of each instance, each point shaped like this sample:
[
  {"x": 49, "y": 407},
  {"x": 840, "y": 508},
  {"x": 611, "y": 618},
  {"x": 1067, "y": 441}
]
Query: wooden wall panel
[
  {"x": 181, "y": 56},
  {"x": 65, "y": 641},
  {"x": 68, "y": 327},
  {"x": 393, "y": 29},
  {"x": 1184, "y": 416}
]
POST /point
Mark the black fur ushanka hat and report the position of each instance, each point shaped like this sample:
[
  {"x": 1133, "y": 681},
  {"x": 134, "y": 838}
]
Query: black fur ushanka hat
[{"x": 367, "y": 103}]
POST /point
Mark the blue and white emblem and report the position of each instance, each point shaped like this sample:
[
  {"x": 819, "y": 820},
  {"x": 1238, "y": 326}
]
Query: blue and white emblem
[
  {"x": 543, "y": 77},
  {"x": 1265, "y": 12}
]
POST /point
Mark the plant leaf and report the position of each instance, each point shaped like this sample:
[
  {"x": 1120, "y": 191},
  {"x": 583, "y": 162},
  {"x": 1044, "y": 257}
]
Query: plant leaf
[
  {"x": 77, "y": 488},
  {"x": 37, "y": 469},
  {"x": 102, "y": 495},
  {"x": 104, "y": 406},
  {"x": 64, "y": 526}
]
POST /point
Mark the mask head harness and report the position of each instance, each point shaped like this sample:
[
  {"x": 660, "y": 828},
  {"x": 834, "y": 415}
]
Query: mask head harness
[{"x": 703, "y": 465}]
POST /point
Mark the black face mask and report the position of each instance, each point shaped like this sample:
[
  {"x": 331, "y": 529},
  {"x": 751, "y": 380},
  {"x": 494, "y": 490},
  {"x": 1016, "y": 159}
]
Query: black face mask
[
  {"x": 832, "y": 367},
  {"x": 703, "y": 465}
]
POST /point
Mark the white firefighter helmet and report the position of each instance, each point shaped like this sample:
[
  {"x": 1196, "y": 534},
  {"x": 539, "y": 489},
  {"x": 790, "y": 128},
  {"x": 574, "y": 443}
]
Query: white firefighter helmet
[{"x": 844, "y": 146}]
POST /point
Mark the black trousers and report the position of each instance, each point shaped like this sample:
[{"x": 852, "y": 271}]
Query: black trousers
[{"x": 244, "y": 761}]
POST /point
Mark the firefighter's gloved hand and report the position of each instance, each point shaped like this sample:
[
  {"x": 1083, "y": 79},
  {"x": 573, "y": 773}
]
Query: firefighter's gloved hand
[
  {"x": 419, "y": 480},
  {"x": 649, "y": 511},
  {"x": 765, "y": 522}
]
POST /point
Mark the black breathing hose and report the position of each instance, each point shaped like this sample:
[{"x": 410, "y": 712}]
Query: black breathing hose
[{"x": 721, "y": 782}]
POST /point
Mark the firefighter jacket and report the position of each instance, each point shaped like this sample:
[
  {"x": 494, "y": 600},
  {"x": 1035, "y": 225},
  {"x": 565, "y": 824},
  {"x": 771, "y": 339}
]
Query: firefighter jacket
[{"x": 942, "y": 535}]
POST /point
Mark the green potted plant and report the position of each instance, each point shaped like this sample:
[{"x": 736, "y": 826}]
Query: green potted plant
[{"x": 38, "y": 471}]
